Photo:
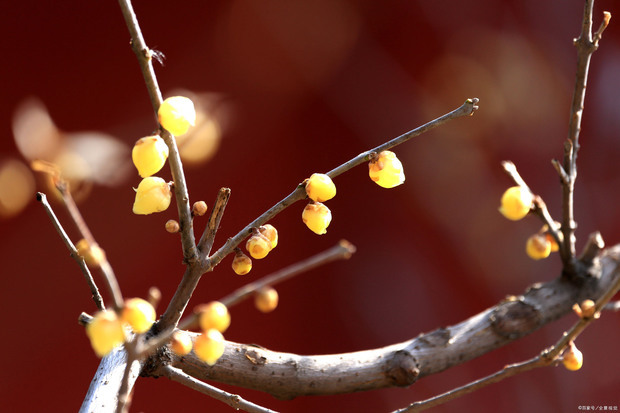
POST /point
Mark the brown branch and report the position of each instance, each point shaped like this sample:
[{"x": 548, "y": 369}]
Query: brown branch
[
  {"x": 145, "y": 59},
  {"x": 286, "y": 375},
  {"x": 466, "y": 109},
  {"x": 42, "y": 198},
  {"x": 343, "y": 250},
  {"x": 540, "y": 208},
  {"x": 545, "y": 358},
  {"x": 233, "y": 400},
  {"x": 208, "y": 237},
  {"x": 586, "y": 46}
]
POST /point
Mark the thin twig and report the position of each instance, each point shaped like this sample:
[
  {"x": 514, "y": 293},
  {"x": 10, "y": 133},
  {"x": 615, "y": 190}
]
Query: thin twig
[
  {"x": 545, "y": 358},
  {"x": 208, "y": 237},
  {"x": 540, "y": 208},
  {"x": 105, "y": 268},
  {"x": 145, "y": 59},
  {"x": 586, "y": 46},
  {"x": 343, "y": 250},
  {"x": 466, "y": 109},
  {"x": 41, "y": 197},
  {"x": 233, "y": 400}
]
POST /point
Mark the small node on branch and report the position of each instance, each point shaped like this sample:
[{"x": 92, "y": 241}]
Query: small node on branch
[{"x": 594, "y": 245}]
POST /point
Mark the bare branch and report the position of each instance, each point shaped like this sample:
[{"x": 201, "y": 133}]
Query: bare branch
[
  {"x": 403, "y": 363},
  {"x": 343, "y": 250},
  {"x": 233, "y": 400},
  {"x": 41, "y": 197},
  {"x": 545, "y": 358}
]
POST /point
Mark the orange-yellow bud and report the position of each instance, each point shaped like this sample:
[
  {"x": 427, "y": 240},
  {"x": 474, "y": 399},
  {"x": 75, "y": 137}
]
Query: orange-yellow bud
[
  {"x": 572, "y": 358},
  {"x": 242, "y": 264},
  {"x": 153, "y": 195},
  {"x": 214, "y": 315},
  {"x": 317, "y": 217},
  {"x": 92, "y": 254},
  {"x": 181, "y": 343},
  {"x": 209, "y": 346},
  {"x": 139, "y": 314},
  {"x": 516, "y": 203},
  {"x": 172, "y": 226},
  {"x": 105, "y": 332},
  {"x": 386, "y": 170},
  {"x": 320, "y": 188},
  {"x": 266, "y": 299},
  {"x": 176, "y": 114},
  {"x": 258, "y": 246},
  {"x": 149, "y": 155},
  {"x": 271, "y": 233},
  {"x": 538, "y": 247},
  {"x": 199, "y": 208}
]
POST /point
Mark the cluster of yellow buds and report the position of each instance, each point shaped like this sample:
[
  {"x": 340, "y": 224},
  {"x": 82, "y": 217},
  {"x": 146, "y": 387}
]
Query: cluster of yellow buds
[
  {"x": 149, "y": 154},
  {"x": 214, "y": 319},
  {"x": 316, "y": 216},
  {"x": 107, "y": 329},
  {"x": 262, "y": 241}
]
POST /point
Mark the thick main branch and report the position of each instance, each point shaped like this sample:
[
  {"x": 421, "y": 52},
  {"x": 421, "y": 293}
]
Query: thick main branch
[{"x": 287, "y": 375}]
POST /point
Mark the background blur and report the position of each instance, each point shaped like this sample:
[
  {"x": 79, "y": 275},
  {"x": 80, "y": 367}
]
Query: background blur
[{"x": 293, "y": 88}]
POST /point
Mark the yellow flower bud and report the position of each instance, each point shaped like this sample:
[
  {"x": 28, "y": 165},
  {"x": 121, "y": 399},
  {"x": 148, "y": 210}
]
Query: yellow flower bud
[
  {"x": 386, "y": 170},
  {"x": 172, "y": 226},
  {"x": 538, "y": 247},
  {"x": 153, "y": 195},
  {"x": 92, "y": 254},
  {"x": 181, "y": 343},
  {"x": 266, "y": 299},
  {"x": 242, "y": 264},
  {"x": 209, "y": 346},
  {"x": 317, "y": 217},
  {"x": 199, "y": 208},
  {"x": 214, "y": 315},
  {"x": 105, "y": 332},
  {"x": 271, "y": 233},
  {"x": 573, "y": 358},
  {"x": 139, "y": 314},
  {"x": 258, "y": 246},
  {"x": 320, "y": 188},
  {"x": 149, "y": 155},
  {"x": 176, "y": 114},
  {"x": 516, "y": 203}
]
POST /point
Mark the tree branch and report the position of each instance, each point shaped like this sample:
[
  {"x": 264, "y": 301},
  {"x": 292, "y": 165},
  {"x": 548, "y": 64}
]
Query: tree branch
[
  {"x": 287, "y": 375},
  {"x": 145, "y": 59},
  {"x": 233, "y": 400},
  {"x": 42, "y": 198}
]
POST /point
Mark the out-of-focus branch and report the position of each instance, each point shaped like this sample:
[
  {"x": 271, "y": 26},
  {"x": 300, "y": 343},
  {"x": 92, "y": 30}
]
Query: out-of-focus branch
[
  {"x": 233, "y": 400},
  {"x": 343, "y": 250}
]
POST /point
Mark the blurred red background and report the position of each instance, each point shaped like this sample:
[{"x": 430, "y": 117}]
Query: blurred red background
[{"x": 302, "y": 87}]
